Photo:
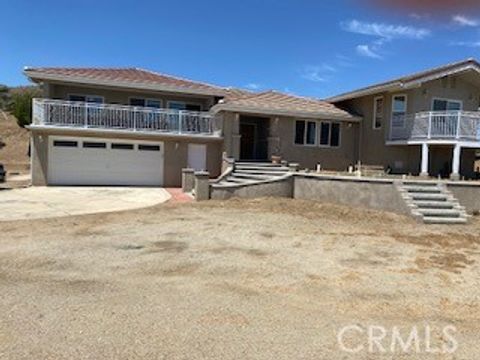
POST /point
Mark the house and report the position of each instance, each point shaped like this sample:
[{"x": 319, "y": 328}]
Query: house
[
  {"x": 426, "y": 123},
  {"x": 131, "y": 126}
]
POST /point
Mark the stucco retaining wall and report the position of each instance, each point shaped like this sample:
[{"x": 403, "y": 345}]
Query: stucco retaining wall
[
  {"x": 365, "y": 193},
  {"x": 281, "y": 188},
  {"x": 467, "y": 194}
]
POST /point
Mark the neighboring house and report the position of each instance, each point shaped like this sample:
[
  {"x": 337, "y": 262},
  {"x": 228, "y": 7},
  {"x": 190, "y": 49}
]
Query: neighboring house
[{"x": 137, "y": 127}]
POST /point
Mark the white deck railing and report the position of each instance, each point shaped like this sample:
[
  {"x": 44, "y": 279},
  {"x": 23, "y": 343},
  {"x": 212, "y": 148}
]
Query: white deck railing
[
  {"x": 447, "y": 125},
  {"x": 75, "y": 114}
]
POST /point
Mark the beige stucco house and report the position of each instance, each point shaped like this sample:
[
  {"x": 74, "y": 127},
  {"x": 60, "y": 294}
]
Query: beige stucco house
[{"x": 137, "y": 127}]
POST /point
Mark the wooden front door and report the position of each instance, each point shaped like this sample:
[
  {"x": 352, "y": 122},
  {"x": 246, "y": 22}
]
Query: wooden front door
[{"x": 247, "y": 142}]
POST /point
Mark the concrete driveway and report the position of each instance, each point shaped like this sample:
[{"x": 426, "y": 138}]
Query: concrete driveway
[{"x": 45, "y": 202}]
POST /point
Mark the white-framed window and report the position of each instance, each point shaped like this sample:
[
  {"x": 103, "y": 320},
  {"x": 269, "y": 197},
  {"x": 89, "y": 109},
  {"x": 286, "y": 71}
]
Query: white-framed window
[
  {"x": 378, "y": 111},
  {"x": 399, "y": 110},
  {"x": 86, "y": 98},
  {"x": 181, "y": 105},
  {"x": 144, "y": 102},
  {"x": 317, "y": 133},
  {"x": 329, "y": 134},
  {"x": 446, "y": 105}
]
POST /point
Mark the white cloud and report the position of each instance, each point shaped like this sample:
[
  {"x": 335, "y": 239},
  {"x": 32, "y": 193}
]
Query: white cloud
[
  {"x": 253, "y": 86},
  {"x": 462, "y": 20},
  {"x": 366, "y": 50},
  {"x": 317, "y": 73},
  {"x": 385, "y": 31},
  {"x": 470, "y": 44}
]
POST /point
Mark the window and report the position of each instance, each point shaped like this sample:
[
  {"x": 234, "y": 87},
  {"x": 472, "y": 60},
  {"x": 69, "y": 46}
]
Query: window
[
  {"x": 180, "y": 105},
  {"x": 142, "y": 147},
  {"x": 335, "y": 135},
  {"x": 94, "y": 145},
  {"x": 378, "y": 112},
  {"x": 307, "y": 132},
  {"x": 299, "y": 132},
  {"x": 154, "y": 103},
  {"x": 324, "y": 133},
  {"x": 399, "y": 110},
  {"x": 120, "y": 146},
  {"x": 86, "y": 98},
  {"x": 446, "y": 105},
  {"x": 65, "y": 143}
]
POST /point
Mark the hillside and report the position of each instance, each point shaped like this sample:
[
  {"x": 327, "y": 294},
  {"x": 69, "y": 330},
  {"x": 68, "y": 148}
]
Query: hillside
[{"x": 14, "y": 142}]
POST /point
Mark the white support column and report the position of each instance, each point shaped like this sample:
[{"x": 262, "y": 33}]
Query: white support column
[
  {"x": 457, "y": 152},
  {"x": 425, "y": 160}
]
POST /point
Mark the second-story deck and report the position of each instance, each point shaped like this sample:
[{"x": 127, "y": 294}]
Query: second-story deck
[
  {"x": 450, "y": 126},
  {"x": 85, "y": 115}
]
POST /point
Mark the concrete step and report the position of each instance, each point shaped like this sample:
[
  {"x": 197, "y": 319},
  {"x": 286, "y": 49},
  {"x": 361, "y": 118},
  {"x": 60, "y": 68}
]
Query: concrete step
[
  {"x": 423, "y": 189},
  {"x": 421, "y": 183},
  {"x": 434, "y": 204},
  {"x": 440, "y": 220},
  {"x": 239, "y": 180},
  {"x": 261, "y": 164},
  {"x": 440, "y": 212},
  {"x": 252, "y": 176},
  {"x": 429, "y": 196},
  {"x": 259, "y": 172},
  {"x": 266, "y": 168}
]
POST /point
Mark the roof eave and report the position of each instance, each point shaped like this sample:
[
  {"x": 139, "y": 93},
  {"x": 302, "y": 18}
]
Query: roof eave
[
  {"x": 277, "y": 112},
  {"x": 122, "y": 84},
  {"x": 400, "y": 85}
]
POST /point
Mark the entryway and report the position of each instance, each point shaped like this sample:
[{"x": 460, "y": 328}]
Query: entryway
[{"x": 254, "y": 138}]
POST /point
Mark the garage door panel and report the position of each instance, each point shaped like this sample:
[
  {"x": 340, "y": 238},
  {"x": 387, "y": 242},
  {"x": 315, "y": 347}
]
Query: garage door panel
[{"x": 105, "y": 166}]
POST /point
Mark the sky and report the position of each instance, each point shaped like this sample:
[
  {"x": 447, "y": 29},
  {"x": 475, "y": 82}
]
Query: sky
[{"x": 314, "y": 48}]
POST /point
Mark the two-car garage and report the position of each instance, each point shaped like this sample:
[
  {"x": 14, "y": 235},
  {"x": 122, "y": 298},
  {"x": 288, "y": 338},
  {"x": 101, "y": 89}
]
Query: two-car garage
[{"x": 96, "y": 161}]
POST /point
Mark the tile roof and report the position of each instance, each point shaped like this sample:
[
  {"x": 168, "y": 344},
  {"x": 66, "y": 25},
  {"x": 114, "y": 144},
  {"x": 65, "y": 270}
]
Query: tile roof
[
  {"x": 133, "y": 76},
  {"x": 426, "y": 75},
  {"x": 274, "y": 102}
]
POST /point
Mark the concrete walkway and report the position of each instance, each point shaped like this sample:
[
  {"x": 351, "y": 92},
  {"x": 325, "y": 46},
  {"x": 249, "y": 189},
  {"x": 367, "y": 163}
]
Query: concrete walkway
[{"x": 45, "y": 202}]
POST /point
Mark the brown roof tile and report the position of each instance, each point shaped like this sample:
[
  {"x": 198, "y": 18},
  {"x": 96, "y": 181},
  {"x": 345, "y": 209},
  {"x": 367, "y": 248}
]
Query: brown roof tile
[
  {"x": 121, "y": 75},
  {"x": 280, "y": 103}
]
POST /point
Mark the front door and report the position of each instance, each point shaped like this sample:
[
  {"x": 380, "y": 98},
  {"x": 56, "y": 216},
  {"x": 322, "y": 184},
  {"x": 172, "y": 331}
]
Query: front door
[{"x": 247, "y": 141}]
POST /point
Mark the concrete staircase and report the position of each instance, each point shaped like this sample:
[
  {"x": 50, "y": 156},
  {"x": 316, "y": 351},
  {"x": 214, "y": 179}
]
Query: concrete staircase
[
  {"x": 432, "y": 203},
  {"x": 250, "y": 173}
]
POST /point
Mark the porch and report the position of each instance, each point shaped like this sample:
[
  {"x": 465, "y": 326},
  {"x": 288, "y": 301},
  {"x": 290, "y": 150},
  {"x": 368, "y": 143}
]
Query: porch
[{"x": 121, "y": 118}]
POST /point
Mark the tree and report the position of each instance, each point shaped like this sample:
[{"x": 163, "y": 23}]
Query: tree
[{"x": 20, "y": 104}]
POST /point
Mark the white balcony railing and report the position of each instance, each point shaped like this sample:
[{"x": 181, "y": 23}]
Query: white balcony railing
[
  {"x": 437, "y": 125},
  {"x": 75, "y": 114}
]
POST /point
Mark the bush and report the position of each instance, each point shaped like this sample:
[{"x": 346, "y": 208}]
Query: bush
[
  {"x": 4, "y": 97},
  {"x": 20, "y": 104}
]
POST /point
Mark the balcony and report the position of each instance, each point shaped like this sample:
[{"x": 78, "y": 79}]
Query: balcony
[
  {"x": 436, "y": 125},
  {"x": 83, "y": 115}
]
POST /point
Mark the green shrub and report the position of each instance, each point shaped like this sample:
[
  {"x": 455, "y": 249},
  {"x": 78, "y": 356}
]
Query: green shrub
[{"x": 20, "y": 104}]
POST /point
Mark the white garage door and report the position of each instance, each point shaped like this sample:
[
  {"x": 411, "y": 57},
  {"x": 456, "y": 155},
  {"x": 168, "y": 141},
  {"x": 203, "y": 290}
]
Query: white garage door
[{"x": 92, "y": 161}]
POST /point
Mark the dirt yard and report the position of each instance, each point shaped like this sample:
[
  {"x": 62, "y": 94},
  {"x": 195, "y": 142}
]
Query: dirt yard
[{"x": 258, "y": 279}]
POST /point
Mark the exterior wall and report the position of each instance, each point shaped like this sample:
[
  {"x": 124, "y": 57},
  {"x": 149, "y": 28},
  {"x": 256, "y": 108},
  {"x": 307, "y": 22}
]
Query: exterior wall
[
  {"x": 39, "y": 159},
  {"x": 115, "y": 96},
  {"x": 330, "y": 158},
  {"x": 369, "y": 193},
  {"x": 281, "y": 142},
  {"x": 405, "y": 159},
  {"x": 468, "y": 195},
  {"x": 175, "y": 155},
  {"x": 281, "y": 188}
]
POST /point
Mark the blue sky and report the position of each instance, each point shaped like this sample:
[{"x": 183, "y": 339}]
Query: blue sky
[{"x": 311, "y": 48}]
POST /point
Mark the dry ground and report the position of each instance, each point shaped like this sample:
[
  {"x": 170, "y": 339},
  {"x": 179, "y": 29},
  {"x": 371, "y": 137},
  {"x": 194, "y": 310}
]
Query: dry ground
[
  {"x": 13, "y": 145},
  {"x": 257, "y": 279}
]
